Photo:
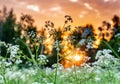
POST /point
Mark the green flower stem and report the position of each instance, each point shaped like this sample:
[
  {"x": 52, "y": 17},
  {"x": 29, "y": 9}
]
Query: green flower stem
[
  {"x": 35, "y": 63},
  {"x": 42, "y": 48},
  {"x": 0, "y": 51},
  {"x": 27, "y": 58},
  {"x": 76, "y": 78},
  {"x": 32, "y": 57},
  {"x": 36, "y": 53},
  {"x": 108, "y": 45},
  {"x": 55, "y": 82},
  {"x": 6, "y": 54}
]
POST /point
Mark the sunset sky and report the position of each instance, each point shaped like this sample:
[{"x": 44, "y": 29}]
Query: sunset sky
[{"x": 82, "y": 11}]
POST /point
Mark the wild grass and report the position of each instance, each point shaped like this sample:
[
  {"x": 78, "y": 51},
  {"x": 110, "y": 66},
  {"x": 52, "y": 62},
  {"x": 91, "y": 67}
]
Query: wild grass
[
  {"x": 27, "y": 65},
  {"x": 105, "y": 70}
]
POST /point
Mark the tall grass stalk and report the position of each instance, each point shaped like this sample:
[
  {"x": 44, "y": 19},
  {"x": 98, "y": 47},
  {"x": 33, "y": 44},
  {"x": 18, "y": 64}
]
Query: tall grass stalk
[
  {"x": 56, "y": 71},
  {"x": 42, "y": 48},
  {"x": 32, "y": 56},
  {"x": 108, "y": 45},
  {"x": 75, "y": 71}
]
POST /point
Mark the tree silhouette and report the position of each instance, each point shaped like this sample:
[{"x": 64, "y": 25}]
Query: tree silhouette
[
  {"x": 7, "y": 26},
  {"x": 27, "y": 33},
  {"x": 26, "y": 23},
  {"x": 116, "y": 21}
]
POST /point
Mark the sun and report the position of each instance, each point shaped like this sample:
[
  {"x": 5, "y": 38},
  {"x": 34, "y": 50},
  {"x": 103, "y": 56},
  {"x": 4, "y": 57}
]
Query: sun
[{"x": 77, "y": 57}]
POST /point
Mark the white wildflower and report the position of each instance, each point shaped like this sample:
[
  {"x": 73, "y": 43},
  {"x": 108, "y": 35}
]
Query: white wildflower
[
  {"x": 2, "y": 43},
  {"x": 48, "y": 70},
  {"x": 101, "y": 53},
  {"x": 1, "y": 79},
  {"x": 13, "y": 50},
  {"x": 104, "y": 58},
  {"x": 119, "y": 49},
  {"x": 13, "y": 74},
  {"x": 57, "y": 45},
  {"x": 97, "y": 79},
  {"x": 32, "y": 34},
  {"x": 35, "y": 83},
  {"x": 23, "y": 77},
  {"x": 42, "y": 59},
  {"x": 8, "y": 63},
  {"x": 89, "y": 45},
  {"x": 82, "y": 42},
  {"x": 117, "y": 75},
  {"x": 97, "y": 71},
  {"x": 18, "y": 61},
  {"x": 117, "y": 35},
  {"x": 50, "y": 83},
  {"x": 16, "y": 75},
  {"x": 31, "y": 71},
  {"x": 45, "y": 80},
  {"x": 60, "y": 66}
]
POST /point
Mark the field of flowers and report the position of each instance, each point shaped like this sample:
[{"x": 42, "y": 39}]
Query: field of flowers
[
  {"x": 106, "y": 70},
  {"x": 80, "y": 55}
]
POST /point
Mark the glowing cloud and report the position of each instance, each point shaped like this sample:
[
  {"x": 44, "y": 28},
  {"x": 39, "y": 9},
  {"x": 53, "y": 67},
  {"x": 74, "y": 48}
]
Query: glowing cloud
[
  {"x": 97, "y": 12},
  {"x": 81, "y": 16},
  {"x": 22, "y": 3},
  {"x": 33, "y": 7},
  {"x": 88, "y": 6},
  {"x": 57, "y": 8},
  {"x": 83, "y": 13},
  {"x": 106, "y": 0},
  {"x": 74, "y": 0}
]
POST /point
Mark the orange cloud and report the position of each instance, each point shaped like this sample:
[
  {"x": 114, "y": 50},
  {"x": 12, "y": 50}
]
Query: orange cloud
[
  {"x": 88, "y": 6},
  {"x": 33, "y": 8}
]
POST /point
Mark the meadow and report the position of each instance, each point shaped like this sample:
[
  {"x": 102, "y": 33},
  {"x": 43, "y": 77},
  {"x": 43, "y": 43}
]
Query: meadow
[{"x": 66, "y": 55}]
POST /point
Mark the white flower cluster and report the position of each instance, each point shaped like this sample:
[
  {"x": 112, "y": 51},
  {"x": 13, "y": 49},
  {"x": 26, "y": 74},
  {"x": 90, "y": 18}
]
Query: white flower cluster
[
  {"x": 13, "y": 74},
  {"x": 94, "y": 71},
  {"x": 13, "y": 50},
  {"x": 32, "y": 34},
  {"x": 6, "y": 63},
  {"x": 1, "y": 79},
  {"x": 117, "y": 35},
  {"x": 57, "y": 45},
  {"x": 22, "y": 74},
  {"x": 2, "y": 43},
  {"x": 89, "y": 43},
  {"x": 42, "y": 59},
  {"x": 14, "y": 57},
  {"x": 119, "y": 49},
  {"x": 82, "y": 42},
  {"x": 86, "y": 72},
  {"x": 60, "y": 66},
  {"x": 48, "y": 70},
  {"x": 103, "y": 53},
  {"x": 35, "y": 83},
  {"x": 104, "y": 58}
]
